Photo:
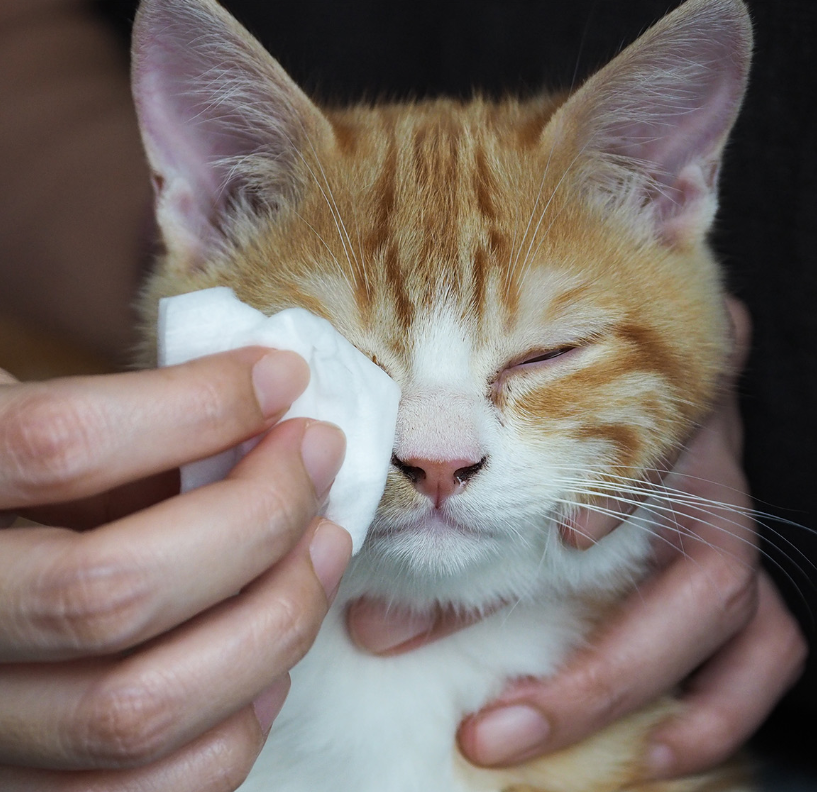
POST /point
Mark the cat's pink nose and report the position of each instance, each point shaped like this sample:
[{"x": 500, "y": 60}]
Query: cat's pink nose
[{"x": 439, "y": 480}]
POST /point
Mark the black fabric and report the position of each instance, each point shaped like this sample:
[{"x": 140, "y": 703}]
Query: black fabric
[{"x": 767, "y": 229}]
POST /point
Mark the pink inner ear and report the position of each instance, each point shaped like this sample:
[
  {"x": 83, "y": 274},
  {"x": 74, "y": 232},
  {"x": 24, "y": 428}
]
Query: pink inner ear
[
  {"x": 664, "y": 107},
  {"x": 218, "y": 115},
  {"x": 181, "y": 154},
  {"x": 688, "y": 114}
]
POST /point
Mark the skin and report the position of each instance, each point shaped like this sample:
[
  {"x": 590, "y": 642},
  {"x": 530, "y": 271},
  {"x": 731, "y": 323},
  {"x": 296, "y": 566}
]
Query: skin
[
  {"x": 122, "y": 609},
  {"x": 708, "y": 620}
]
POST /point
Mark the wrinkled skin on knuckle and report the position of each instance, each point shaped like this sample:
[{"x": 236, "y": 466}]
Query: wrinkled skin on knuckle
[
  {"x": 292, "y": 624},
  {"x": 52, "y": 441},
  {"x": 594, "y": 693},
  {"x": 90, "y": 604},
  {"x": 735, "y": 583},
  {"x": 285, "y": 501},
  {"x": 228, "y": 758},
  {"x": 214, "y": 405},
  {"x": 291, "y": 511},
  {"x": 207, "y": 402},
  {"x": 124, "y": 723}
]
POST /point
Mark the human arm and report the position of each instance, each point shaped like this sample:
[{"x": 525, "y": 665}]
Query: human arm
[{"x": 75, "y": 228}]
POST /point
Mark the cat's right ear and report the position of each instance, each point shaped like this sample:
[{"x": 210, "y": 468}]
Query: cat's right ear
[{"x": 224, "y": 127}]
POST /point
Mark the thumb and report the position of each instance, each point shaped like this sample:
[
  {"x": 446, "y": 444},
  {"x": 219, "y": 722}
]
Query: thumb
[{"x": 384, "y": 629}]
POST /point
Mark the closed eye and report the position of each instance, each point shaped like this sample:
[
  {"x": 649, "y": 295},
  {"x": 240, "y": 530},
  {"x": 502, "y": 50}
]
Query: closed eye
[
  {"x": 535, "y": 360},
  {"x": 551, "y": 354}
]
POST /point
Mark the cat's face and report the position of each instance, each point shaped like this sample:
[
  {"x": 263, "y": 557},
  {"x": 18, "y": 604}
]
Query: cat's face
[{"x": 533, "y": 275}]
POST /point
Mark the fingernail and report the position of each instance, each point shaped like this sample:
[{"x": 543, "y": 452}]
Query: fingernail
[
  {"x": 269, "y": 703},
  {"x": 279, "y": 378},
  {"x": 330, "y": 551},
  {"x": 660, "y": 759},
  {"x": 379, "y": 629},
  {"x": 322, "y": 449},
  {"x": 509, "y": 733}
]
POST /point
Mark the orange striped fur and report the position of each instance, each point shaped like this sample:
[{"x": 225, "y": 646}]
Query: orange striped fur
[
  {"x": 535, "y": 276},
  {"x": 468, "y": 203}
]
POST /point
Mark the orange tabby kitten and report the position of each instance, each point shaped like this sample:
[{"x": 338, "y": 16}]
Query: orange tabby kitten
[{"x": 535, "y": 276}]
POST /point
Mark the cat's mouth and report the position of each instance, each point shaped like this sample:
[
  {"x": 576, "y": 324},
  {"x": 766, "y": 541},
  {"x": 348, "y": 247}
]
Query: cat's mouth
[
  {"x": 431, "y": 545},
  {"x": 436, "y": 523}
]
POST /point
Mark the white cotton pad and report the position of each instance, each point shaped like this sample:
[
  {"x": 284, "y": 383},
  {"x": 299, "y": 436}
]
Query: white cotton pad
[{"x": 345, "y": 388}]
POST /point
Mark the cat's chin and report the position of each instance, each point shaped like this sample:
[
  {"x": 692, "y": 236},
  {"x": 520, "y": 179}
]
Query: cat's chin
[
  {"x": 434, "y": 544},
  {"x": 424, "y": 564}
]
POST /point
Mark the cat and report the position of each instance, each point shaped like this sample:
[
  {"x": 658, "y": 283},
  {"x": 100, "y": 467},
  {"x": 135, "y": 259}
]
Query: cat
[{"x": 535, "y": 276}]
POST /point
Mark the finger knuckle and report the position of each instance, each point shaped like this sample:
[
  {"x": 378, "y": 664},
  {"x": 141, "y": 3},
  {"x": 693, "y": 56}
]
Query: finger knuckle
[
  {"x": 90, "y": 603},
  {"x": 229, "y": 759},
  {"x": 207, "y": 402},
  {"x": 736, "y": 584},
  {"x": 51, "y": 438},
  {"x": 280, "y": 504},
  {"x": 793, "y": 648},
  {"x": 595, "y": 694},
  {"x": 287, "y": 507},
  {"x": 127, "y": 723},
  {"x": 291, "y": 624}
]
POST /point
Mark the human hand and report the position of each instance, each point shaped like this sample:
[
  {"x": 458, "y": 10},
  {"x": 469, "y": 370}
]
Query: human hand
[
  {"x": 709, "y": 619},
  {"x": 145, "y": 640}
]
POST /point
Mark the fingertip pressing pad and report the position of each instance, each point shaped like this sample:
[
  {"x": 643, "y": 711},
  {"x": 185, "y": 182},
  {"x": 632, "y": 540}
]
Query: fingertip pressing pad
[{"x": 345, "y": 388}]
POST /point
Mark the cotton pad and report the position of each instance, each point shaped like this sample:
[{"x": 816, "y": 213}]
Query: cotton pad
[{"x": 345, "y": 388}]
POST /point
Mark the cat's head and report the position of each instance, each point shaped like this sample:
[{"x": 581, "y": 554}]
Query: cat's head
[{"x": 533, "y": 274}]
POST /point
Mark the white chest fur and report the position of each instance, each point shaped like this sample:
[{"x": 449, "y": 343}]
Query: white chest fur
[{"x": 357, "y": 723}]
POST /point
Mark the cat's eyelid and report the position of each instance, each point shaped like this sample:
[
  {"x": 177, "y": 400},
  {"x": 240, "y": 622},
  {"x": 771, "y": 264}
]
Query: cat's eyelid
[
  {"x": 551, "y": 354},
  {"x": 541, "y": 358},
  {"x": 548, "y": 352}
]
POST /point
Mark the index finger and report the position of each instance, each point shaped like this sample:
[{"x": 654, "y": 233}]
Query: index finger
[{"x": 66, "y": 439}]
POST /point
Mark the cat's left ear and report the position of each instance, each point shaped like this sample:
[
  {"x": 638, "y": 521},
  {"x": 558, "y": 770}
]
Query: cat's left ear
[
  {"x": 225, "y": 128},
  {"x": 646, "y": 134}
]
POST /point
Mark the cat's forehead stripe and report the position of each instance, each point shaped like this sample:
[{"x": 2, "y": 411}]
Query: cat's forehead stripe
[
  {"x": 434, "y": 219},
  {"x": 485, "y": 185}
]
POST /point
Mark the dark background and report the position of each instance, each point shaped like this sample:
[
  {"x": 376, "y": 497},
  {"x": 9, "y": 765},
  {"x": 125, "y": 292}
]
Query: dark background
[{"x": 766, "y": 232}]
